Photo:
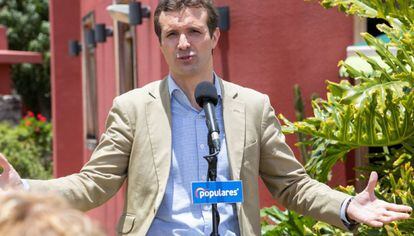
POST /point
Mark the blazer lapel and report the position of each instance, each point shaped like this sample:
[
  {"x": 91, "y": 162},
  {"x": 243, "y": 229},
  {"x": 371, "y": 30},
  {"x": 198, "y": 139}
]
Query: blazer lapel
[
  {"x": 158, "y": 117},
  {"x": 234, "y": 124}
]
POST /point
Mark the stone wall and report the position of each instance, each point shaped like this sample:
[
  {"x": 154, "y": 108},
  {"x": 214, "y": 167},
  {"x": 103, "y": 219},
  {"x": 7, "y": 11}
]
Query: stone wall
[{"x": 10, "y": 108}]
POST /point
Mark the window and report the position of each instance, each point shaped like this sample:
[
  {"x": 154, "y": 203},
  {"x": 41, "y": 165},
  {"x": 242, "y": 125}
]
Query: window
[
  {"x": 89, "y": 81},
  {"x": 125, "y": 53},
  {"x": 372, "y": 26},
  {"x": 126, "y": 60}
]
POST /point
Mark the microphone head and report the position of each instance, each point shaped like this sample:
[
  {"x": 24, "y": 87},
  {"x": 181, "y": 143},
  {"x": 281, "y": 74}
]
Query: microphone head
[{"x": 206, "y": 92}]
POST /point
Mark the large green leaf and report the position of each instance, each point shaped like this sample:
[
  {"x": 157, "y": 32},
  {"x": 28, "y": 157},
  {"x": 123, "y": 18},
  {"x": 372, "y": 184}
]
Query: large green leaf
[
  {"x": 360, "y": 95},
  {"x": 382, "y": 119},
  {"x": 403, "y": 10}
]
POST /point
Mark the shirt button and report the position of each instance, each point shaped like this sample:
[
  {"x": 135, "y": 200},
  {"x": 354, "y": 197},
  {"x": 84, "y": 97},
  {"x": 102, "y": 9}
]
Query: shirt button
[
  {"x": 201, "y": 146},
  {"x": 206, "y": 207}
]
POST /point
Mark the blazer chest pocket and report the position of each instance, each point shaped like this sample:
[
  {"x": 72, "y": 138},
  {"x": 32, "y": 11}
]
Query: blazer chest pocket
[{"x": 126, "y": 224}]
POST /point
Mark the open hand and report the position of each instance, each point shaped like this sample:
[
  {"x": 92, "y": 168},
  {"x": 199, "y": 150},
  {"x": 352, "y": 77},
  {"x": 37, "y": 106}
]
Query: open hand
[
  {"x": 368, "y": 209},
  {"x": 9, "y": 178}
]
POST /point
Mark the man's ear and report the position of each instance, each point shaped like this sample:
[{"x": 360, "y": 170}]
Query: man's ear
[{"x": 215, "y": 37}]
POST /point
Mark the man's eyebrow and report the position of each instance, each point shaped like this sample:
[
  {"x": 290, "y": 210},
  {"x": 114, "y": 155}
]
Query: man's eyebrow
[
  {"x": 195, "y": 27},
  {"x": 170, "y": 31}
]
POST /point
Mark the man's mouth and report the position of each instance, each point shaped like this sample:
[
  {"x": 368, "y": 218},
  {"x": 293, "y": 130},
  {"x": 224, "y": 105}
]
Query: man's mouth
[{"x": 186, "y": 57}]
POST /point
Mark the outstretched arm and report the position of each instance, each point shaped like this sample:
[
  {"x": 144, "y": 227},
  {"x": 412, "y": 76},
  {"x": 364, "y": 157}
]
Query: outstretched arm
[
  {"x": 368, "y": 209},
  {"x": 9, "y": 178}
]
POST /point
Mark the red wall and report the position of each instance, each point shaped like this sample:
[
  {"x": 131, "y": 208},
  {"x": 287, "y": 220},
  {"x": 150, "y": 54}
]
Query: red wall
[
  {"x": 66, "y": 85},
  {"x": 271, "y": 45},
  {"x": 5, "y": 79}
]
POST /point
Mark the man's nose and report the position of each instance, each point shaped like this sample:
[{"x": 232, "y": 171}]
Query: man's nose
[{"x": 183, "y": 42}]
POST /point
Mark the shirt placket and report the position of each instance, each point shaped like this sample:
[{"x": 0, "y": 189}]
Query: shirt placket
[{"x": 202, "y": 150}]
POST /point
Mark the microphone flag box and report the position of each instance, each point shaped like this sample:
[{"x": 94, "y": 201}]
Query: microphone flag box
[{"x": 211, "y": 192}]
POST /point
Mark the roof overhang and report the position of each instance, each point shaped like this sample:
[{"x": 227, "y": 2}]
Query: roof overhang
[
  {"x": 119, "y": 12},
  {"x": 16, "y": 57}
]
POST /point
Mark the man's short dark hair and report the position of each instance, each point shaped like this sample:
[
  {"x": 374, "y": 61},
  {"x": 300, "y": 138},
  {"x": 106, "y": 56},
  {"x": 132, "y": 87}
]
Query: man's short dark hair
[{"x": 177, "y": 5}]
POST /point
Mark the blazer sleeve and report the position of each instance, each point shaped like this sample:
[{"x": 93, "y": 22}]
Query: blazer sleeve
[
  {"x": 287, "y": 180},
  {"x": 104, "y": 174}
]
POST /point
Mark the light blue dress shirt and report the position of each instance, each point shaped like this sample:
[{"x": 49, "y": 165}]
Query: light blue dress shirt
[{"x": 177, "y": 215}]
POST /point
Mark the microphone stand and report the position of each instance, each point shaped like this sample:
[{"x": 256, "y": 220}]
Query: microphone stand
[{"x": 211, "y": 176}]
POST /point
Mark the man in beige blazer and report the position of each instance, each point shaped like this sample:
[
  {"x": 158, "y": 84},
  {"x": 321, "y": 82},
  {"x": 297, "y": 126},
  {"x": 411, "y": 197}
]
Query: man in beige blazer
[{"x": 136, "y": 145}]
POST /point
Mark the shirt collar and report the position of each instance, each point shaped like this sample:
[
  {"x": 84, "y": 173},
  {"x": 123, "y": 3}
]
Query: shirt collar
[{"x": 172, "y": 86}]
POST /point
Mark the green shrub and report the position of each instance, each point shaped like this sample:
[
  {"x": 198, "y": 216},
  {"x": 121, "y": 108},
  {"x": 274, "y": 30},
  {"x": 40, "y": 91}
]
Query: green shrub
[{"x": 27, "y": 146}]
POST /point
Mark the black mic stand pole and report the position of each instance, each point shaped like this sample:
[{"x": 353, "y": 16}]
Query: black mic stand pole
[{"x": 211, "y": 176}]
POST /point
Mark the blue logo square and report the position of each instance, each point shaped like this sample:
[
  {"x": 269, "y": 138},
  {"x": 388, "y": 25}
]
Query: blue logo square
[{"x": 217, "y": 192}]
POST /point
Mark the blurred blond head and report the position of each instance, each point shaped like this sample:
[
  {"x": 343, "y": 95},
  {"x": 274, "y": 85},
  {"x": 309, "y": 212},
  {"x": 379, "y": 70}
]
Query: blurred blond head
[{"x": 24, "y": 214}]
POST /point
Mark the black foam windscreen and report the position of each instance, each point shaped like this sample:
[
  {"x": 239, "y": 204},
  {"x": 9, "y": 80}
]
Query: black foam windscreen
[{"x": 206, "y": 92}]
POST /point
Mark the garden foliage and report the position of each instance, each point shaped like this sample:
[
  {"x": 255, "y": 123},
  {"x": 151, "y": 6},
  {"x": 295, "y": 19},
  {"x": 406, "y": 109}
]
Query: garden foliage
[{"x": 28, "y": 146}]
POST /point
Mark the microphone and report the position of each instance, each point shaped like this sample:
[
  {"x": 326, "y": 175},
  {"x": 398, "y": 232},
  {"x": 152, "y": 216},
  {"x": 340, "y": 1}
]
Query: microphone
[{"x": 207, "y": 98}]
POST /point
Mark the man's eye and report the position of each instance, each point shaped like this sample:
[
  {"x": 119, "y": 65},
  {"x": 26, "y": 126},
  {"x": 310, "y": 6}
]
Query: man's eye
[
  {"x": 195, "y": 31},
  {"x": 171, "y": 34}
]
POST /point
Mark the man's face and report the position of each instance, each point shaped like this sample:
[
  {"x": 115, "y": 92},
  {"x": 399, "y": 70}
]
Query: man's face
[{"x": 186, "y": 42}]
